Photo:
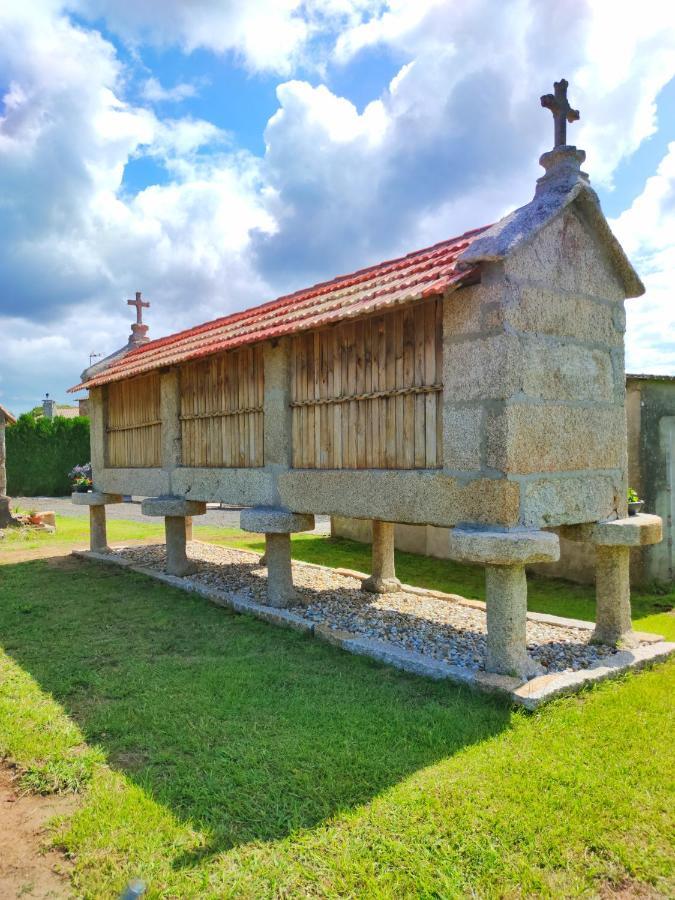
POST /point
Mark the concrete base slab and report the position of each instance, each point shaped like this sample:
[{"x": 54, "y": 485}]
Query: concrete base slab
[{"x": 529, "y": 694}]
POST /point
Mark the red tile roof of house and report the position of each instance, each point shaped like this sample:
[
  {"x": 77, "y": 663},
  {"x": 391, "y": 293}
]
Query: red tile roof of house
[{"x": 425, "y": 273}]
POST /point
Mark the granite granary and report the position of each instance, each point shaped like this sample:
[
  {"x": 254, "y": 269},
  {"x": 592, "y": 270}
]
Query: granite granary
[{"x": 477, "y": 384}]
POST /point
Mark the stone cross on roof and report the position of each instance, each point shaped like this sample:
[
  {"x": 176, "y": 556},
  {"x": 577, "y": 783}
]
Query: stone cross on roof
[
  {"x": 562, "y": 111},
  {"x": 139, "y": 304},
  {"x": 139, "y": 331}
]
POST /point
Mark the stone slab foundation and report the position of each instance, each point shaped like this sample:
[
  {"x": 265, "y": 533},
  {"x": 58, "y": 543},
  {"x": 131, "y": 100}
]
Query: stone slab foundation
[{"x": 529, "y": 694}]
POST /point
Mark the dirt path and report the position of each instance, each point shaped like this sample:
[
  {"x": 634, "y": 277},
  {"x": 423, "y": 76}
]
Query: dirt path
[{"x": 27, "y": 867}]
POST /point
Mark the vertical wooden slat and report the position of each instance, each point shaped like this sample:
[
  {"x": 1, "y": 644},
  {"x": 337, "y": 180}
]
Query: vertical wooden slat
[{"x": 408, "y": 380}]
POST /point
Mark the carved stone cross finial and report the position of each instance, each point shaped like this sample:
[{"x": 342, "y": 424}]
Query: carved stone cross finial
[
  {"x": 140, "y": 305},
  {"x": 562, "y": 111}
]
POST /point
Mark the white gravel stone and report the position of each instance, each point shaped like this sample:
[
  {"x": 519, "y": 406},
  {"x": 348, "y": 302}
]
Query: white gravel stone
[{"x": 438, "y": 627}]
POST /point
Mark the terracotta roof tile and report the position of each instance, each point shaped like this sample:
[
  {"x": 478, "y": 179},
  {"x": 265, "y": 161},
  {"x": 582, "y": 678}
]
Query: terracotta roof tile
[{"x": 424, "y": 273}]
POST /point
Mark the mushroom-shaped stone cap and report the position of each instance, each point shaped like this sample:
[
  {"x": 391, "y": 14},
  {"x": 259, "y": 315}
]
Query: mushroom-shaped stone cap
[
  {"x": 95, "y": 498},
  {"x": 633, "y": 531},
  {"x": 503, "y": 548},
  {"x": 172, "y": 507},
  {"x": 270, "y": 520}
]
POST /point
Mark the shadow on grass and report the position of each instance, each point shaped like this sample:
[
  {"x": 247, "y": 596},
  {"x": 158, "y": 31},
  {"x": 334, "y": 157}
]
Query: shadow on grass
[{"x": 246, "y": 731}]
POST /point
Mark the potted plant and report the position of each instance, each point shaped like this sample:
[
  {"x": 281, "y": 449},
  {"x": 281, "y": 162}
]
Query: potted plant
[
  {"x": 634, "y": 502},
  {"x": 81, "y": 478}
]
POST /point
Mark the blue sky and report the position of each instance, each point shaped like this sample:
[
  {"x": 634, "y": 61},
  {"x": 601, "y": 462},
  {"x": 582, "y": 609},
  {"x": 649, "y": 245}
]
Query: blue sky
[{"x": 219, "y": 153}]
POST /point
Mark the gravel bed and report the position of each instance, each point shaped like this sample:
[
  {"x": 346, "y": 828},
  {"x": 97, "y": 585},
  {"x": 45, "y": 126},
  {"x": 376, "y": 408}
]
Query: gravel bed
[{"x": 443, "y": 629}]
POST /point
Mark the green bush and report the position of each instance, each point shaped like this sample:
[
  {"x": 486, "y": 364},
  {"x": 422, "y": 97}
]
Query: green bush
[{"x": 41, "y": 453}]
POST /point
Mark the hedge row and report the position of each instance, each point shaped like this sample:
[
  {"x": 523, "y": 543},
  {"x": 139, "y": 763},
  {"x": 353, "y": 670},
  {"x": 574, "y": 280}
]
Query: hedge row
[{"x": 41, "y": 453}]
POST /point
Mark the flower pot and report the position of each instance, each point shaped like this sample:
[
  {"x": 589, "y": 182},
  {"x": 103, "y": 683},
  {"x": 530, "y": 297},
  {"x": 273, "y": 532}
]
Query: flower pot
[
  {"x": 635, "y": 507},
  {"x": 82, "y": 488}
]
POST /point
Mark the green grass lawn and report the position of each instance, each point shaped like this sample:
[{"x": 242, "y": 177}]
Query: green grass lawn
[{"x": 217, "y": 756}]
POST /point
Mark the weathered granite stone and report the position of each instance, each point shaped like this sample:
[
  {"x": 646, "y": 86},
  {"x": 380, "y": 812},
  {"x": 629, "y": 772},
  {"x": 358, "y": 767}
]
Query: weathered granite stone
[
  {"x": 539, "y": 308},
  {"x": 280, "y": 590},
  {"x": 169, "y": 414},
  {"x": 172, "y": 507},
  {"x": 424, "y": 496},
  {"x": 503, "y": 548},
  {"x": 484, "y": 367},
  {"x": 524, "y": 438},
  {"x": 462, "y": 437},
  {"x": 383, "y": 579},
  {"x": 506, "y": 609},
  {"x": 177, "y": 562},
  {"x": 98, "y": 538},
  {"x": 95, "y": 498},
  {"x": 632, "y": 531},
  {"x": 559, "y": 370},
  {"x": 560, "y": 499},
  {"x": 612, "y": 597},
  {"x": 267, "y": 520}
]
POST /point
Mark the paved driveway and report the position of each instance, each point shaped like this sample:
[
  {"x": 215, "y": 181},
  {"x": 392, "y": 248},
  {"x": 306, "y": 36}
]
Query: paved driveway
[{"x": 227, "y": 517}]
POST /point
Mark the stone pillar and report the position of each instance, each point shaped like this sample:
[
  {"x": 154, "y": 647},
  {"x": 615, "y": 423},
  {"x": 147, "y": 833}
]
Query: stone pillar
[
  {"x": 169, "y": 404},
  {"x": 277, "y": 418},
  {"x": 612, "y": 596},
  {"x": 383, "y": 579},
  {"x": 188, "y": 528},
  {"x": 176, "y": 512},
  {"x": 280, "y": 590},
  {"x": 177, "y": 562},
  {"x": 277, "y": 525},
  {"x": 3, "y": 456},
  {"x": 506, "y": 607},
  {"x": 505, "y": 555},
  {"x": 612, "y": 541},
  {"x": 5, "y": 510},
  {"x": 98, "y": 535},
  {"x": 97, "y": 501}
]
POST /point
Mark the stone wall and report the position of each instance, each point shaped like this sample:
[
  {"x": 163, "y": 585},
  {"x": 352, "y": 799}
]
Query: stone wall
[
  {"x": 650, "y": 413},
  {"x": 533, "y": 377}
]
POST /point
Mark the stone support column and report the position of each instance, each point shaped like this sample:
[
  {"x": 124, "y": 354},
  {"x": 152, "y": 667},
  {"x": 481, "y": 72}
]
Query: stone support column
[
  {"x": 3, "y": 452},
  {"x": 506, "y": 608},
  {"x": 277, "y": 418},
  {"x": 383, "y": 579},
  {"x": 169, "y": 404},
  {"x": 98, "y": 534},
  {"x": 97, "y": 431},
  {"x": 612, "y": 596},
  {"x": 97, "y": 502},
  {"x": 5, "y": 510},
  {"x": 177, "y": 513},
  {"x": 505, "y": 555},
  {"x": 188, "y": 528},
  {"x": 280, "y": 590},
  {"x": 612, "y": 541},
  {"x": 277, "y": 525}
]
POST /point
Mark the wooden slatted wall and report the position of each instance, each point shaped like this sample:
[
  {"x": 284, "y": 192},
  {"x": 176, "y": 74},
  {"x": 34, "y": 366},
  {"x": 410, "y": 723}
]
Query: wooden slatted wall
[
  {"x": 368, "y": 393},
  {"x": 134, "y": 425},
  {"x": 222, "y": 409}
]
